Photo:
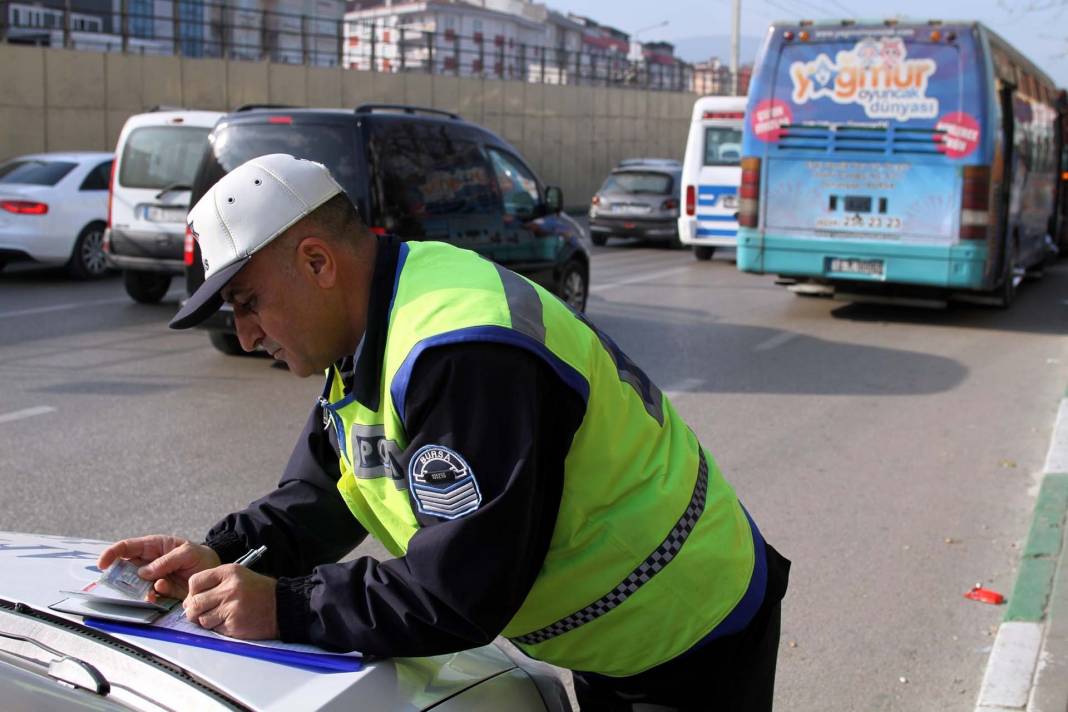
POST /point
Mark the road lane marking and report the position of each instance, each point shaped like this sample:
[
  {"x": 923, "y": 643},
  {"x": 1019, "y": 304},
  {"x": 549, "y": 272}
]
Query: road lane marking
[
  {"x": 26, "y": 413},
  {"x": 646, "y": 277},
  {"x": 59, "y": 307},
  {"x": 776, "y": 341}
]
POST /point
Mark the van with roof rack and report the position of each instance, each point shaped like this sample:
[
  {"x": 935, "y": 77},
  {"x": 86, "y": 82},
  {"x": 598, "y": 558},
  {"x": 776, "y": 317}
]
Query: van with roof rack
[{"x": 417, "y": 173}]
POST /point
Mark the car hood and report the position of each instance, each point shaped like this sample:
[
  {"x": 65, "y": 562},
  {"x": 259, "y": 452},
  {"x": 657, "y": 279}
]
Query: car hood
[{"x": 34, "y": 569}]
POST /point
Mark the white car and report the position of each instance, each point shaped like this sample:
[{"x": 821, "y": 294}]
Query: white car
[
  {"x": 53, "y": 210},
  {"x": 51, "y": 660}
]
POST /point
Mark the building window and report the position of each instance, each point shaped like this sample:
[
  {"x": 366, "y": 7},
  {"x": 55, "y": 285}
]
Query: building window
[
  {"x": 140, "y": 14},
  {"x": 191, "y": 27}
]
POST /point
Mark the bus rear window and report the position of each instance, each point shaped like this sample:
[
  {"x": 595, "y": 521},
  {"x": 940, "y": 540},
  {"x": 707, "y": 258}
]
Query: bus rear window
[{"x": 723, "y": 146}]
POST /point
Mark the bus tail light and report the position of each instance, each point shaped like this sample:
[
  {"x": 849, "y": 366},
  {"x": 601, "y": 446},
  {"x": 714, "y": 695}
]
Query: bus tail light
[
  {"x": 189, "y": 247},
  {"x": 691, "y": 200},
  {"x": 975, "y": 203},
  {"x": 749, "y": 193}
]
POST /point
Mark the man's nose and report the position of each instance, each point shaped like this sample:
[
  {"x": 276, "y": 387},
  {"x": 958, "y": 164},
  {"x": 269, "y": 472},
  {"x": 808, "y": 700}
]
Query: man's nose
[{"x": 248, "y": 332}]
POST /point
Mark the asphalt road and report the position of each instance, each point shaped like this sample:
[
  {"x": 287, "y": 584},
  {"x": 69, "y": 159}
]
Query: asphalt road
[{"x": 890, "y": 453}]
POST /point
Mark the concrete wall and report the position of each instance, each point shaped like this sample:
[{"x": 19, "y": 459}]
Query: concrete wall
[{"x": 56, "y": 99}]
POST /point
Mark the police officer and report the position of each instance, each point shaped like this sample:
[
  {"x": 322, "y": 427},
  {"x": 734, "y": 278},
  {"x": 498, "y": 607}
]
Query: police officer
[{"x": 530, "y": 480}]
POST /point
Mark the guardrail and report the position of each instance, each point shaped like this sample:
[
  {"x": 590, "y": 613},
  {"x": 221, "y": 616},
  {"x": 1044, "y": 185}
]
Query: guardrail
[{"x": 204, "y": 29}]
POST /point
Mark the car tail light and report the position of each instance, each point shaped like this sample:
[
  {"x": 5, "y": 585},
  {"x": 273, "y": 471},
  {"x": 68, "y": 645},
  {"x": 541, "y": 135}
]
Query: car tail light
[
  {"x": 379, "y": 230},
  {"x": 975, "y": 203},
  {"x": 24, "y": 207},
  {"x": 669, "y": 204},
  {"x": 691, "y": 200},
  {"x": 280, "y": 120},
  {"x": 111, "y": 190},
  {"x": 749, "y": 193},
  {"x": 189, "y": 248}
]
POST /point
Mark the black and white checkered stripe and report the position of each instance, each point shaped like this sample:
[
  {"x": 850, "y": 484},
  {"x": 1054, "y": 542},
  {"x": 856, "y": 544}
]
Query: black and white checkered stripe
[{"x": 652, "y": 565}]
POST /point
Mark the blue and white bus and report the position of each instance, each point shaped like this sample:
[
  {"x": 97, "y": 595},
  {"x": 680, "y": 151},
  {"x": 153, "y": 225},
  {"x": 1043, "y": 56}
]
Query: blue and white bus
[
  {"x": 710, "y": 174},
  {"x": 916, "y": 160}
]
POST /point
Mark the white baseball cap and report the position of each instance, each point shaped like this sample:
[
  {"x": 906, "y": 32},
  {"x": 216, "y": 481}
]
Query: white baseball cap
[{"x": 249, "y": 206}]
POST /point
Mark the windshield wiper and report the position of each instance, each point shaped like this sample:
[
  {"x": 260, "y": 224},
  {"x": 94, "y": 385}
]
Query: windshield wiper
[
  {"x": 173, "y": 187},
  {"x": 67, "y": 668}
]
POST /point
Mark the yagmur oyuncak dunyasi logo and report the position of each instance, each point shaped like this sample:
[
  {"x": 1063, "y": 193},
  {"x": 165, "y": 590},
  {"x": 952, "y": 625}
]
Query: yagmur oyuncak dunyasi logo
[{"x": 877, "y": 74}]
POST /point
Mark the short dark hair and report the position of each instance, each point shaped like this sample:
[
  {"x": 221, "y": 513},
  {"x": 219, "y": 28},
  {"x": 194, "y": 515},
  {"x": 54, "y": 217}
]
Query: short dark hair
[{"x": 338, "y": 217}]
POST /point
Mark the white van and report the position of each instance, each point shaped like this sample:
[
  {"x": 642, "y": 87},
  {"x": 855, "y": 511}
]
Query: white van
[
  {"x": 155, "y": 162},
  {"x": 711, "y": 171}
]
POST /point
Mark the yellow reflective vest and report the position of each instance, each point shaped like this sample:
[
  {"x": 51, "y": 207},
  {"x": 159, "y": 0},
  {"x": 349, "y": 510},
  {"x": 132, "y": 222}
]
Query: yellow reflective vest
[{"x": 651, "y": 552}]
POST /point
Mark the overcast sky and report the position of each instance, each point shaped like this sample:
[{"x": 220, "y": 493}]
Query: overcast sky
[{"x": 1041, "y": 34}]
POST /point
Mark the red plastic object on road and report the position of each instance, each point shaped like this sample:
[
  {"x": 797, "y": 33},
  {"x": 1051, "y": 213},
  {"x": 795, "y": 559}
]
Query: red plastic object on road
[{"x": 985, "y": 595}]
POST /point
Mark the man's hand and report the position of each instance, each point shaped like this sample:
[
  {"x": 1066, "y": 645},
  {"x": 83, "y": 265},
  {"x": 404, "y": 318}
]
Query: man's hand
[
  {"x": 167, "y": 560},
  {"x": 234, "y": 601}
]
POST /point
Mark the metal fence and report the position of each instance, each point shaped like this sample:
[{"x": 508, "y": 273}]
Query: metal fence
[{"x": 193, "y": 28}]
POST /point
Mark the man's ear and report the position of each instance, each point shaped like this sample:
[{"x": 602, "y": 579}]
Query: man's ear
[{"x": 316, "y": 259}]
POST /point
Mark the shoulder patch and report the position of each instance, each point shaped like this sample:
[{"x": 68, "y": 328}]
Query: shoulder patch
[{"x": 442, "y": 482}]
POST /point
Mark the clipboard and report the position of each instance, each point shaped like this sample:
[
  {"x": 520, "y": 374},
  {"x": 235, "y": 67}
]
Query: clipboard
[{"x": 313, "y": 661}]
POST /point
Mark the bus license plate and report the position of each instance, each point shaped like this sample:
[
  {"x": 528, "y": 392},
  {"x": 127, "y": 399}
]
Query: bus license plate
[{"x": 872, "y": 268}]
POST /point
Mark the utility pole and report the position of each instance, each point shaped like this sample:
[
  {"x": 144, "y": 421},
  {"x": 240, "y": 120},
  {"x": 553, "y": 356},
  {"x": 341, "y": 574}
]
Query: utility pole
[{"x": 736, "y": 22}]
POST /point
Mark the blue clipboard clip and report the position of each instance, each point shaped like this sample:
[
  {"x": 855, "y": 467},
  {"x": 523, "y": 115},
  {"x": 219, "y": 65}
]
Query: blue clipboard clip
[{"x": 315, "y": 662}]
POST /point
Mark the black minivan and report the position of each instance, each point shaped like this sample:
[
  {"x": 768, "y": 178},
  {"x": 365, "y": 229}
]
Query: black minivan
[{"x": 420, "y": 174}]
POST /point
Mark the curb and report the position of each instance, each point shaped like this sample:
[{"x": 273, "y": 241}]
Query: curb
[{"x": 1028, "y": 664}]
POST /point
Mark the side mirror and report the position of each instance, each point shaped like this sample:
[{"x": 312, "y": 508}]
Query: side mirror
[{"x": 554, "y": 199}]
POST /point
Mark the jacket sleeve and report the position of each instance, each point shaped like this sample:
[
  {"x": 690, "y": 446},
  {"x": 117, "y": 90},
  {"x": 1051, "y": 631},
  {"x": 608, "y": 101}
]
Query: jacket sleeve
[
  {"x": 304, "y": 522},
  {"x": 511, "y": 419}
]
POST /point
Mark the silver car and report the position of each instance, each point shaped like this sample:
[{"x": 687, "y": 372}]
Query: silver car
[
  {"x": 639, "y": 198},
  {"x": 53, "y": 661}
]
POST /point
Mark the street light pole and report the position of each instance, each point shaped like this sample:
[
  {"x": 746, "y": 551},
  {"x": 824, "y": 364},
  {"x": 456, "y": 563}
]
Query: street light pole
[{"x": 736, "y": 21}]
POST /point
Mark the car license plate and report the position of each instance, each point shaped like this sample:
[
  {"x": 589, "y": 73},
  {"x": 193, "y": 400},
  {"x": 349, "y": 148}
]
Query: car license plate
[
  {"x": 872, "y": 268},
  {"x": 159, "y": 213},
  {"x": 729, "y": 202},
  {"x": 631, "y": 209}
]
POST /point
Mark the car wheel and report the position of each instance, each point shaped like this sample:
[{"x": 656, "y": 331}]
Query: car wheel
[
  {"x": 704, "y": 252},
  {"x": 3, "y": 263},
  {"x": 146, "y": 287},
  {"x": 572, "y": 287},
  {"x": 87, "y": 260},
  {"x": 599, "y": 240},
  {"x": 226, "y": 343}
]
